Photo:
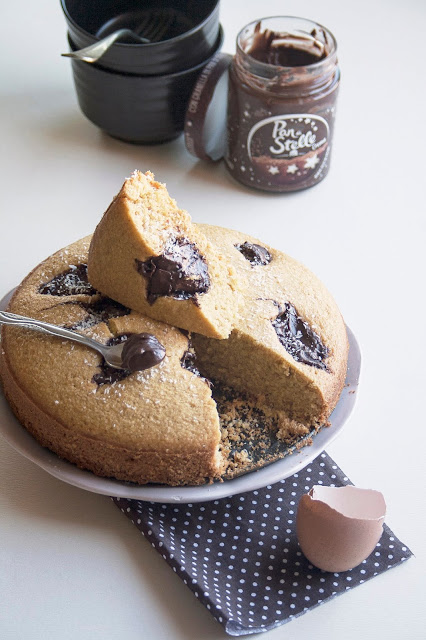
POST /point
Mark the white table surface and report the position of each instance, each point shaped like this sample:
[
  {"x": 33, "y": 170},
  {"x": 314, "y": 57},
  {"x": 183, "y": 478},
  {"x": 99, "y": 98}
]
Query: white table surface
[{"x": 71, "y": 565}]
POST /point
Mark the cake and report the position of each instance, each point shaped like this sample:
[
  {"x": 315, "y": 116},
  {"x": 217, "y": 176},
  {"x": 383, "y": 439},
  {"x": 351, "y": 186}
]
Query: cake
[
  {"x": 226, "y": 393},
  {"x": 147, "y": 254}
]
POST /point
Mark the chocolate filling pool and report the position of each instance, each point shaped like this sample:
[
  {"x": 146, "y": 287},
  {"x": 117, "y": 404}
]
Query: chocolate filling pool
[
  {"x": 299, "y": 339},
  {"x": 71, "y": 282},
  {"x": 181, "y": 272},
  {"x": 254, "y": 253},
  {"x": 190, "y": 363}
]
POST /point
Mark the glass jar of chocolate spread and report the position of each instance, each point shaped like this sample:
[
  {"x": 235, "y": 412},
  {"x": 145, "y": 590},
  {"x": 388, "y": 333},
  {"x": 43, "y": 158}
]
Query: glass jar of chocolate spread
[{"x": 283, "y": 85}]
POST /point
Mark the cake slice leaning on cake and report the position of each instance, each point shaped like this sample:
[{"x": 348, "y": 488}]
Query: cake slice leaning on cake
[
  {"x": 280, "y": 337},
  {"x": 147, "y": 254}
]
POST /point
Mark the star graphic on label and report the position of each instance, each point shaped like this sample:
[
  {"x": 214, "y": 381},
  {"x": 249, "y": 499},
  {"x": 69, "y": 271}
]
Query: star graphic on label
[
  {"x": 246, "y": 113},
  {"x": 273, "y": 170},
  {"x": 307, "y": 120},
  {"x": 311, "y": 163},
  {"x": 292, "y": 168}
]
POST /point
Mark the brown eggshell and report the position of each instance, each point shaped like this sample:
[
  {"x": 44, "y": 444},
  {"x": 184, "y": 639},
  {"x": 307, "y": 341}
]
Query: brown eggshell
[{"x": 338, "y": 527}]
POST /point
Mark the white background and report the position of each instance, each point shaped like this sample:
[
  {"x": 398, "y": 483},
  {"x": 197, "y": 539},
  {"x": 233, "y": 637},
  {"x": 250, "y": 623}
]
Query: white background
[{"x": 71, "y": 565}]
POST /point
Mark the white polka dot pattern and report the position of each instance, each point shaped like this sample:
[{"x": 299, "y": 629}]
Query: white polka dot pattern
[{"x": 240, "y": 555}]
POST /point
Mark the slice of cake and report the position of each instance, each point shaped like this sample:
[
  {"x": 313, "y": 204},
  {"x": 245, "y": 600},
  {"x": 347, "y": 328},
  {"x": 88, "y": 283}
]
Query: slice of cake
[
  {"x": 289, "y": 347},
  {"x": 147, "y": 255}
]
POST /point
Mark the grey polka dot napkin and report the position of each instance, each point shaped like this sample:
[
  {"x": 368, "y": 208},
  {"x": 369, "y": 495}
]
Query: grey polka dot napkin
[{"x": 240, "y": 555}]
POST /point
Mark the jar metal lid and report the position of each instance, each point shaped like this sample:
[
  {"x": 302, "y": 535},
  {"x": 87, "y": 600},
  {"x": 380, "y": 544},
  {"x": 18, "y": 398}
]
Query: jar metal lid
[{"x": 205, "y": 121}]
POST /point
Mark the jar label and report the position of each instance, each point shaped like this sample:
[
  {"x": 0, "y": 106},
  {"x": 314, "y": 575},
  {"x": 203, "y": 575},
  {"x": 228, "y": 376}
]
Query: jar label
[{"x": 289, "y": 148}]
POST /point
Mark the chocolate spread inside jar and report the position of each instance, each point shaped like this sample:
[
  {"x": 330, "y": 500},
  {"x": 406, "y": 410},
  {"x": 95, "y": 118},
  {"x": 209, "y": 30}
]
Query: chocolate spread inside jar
[{"x": 283, "y": 86}]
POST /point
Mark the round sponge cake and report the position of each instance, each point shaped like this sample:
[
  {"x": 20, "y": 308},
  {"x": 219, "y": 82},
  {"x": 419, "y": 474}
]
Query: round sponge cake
[{"x": 276, "y": 378}]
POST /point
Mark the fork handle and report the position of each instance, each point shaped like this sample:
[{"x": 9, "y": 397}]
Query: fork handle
[
  {"x": 51, "y": 329},
  {"x": 93, "y": 52}
]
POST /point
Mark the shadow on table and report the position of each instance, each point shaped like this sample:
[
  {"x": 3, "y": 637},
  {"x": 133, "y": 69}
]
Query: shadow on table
[
  {"x": 32, "y": 495},
  {"x": 63, "y": 132}
]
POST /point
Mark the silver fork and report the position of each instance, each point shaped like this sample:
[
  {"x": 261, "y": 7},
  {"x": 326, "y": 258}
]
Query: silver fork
[
  {"x": 112, "y": 355},
  {"x": 154, "y": 26}
]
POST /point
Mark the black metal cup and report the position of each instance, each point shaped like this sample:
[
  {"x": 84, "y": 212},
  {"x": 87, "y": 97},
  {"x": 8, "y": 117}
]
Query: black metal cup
[{"x": 190, "y": 39}]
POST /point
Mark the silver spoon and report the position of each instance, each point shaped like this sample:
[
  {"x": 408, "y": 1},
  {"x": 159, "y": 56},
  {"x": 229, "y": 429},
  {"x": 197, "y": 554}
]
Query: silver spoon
[{"x": 112, "y": 355}]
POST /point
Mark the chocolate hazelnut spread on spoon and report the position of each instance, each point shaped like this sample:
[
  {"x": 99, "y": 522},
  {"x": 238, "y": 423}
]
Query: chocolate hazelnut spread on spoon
[
  {"x": 140, "y": 351},
  {"x": 122, "y": 354}
]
